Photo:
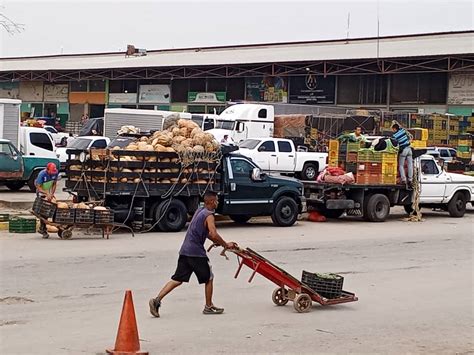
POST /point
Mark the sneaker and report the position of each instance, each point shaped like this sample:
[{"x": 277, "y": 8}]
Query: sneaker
[
  {"x": 45, "y": 236},
  {"x": 155, "y": 307},
  {"x": 212, "y": 310}
]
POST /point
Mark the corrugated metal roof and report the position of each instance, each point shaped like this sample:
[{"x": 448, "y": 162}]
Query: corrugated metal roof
[{"x": 388, "y": 47}]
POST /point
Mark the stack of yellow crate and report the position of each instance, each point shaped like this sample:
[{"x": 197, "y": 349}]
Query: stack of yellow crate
[
  {"x": 464, "y": 150},
  {"x": 420, "y": 137},
  {"x": 389, "y": 168},
  {"x": 333, "y": 153}
]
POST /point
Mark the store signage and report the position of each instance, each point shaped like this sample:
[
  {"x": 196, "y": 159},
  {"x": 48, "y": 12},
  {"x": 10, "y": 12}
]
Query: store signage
[
  {"x": 123, "y": 98},
  {"x": 266, "y": 89},
  {"x": 206, "y": 97},
  {"x": 56, "y": 92},
  {"x": 312, "y": 89},
  {"x": 31, "y": 91},
  {"x": 9, "y": 90},
  {"x": 461, "y": 89},
  {"x": 154, "y": 94}
]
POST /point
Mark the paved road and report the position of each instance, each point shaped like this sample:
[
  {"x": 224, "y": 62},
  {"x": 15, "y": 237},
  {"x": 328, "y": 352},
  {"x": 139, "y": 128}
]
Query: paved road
[{"x": 415, "y": 283}]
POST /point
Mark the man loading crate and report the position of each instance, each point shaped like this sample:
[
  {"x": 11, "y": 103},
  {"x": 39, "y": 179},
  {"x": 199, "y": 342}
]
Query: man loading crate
[
  {"x": 405, "y": 153},
  {"x": 45, "y": 188}
]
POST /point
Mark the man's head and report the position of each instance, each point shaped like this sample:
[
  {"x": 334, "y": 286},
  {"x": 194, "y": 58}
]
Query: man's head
[
  {"x": 51, "y": 169},
  {"x": 395, "y": 127},
  {"x": 210, "y": 200},
  {"x": 358, "y": 131},
  {"x": 226, "y": 136}
]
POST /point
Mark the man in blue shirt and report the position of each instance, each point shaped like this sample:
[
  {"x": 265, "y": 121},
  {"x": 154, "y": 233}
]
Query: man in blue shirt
[
  {"x": 45, "y": 188},
  {"x": 405, "y": 154},
  {"x": 193, "y": 257}
]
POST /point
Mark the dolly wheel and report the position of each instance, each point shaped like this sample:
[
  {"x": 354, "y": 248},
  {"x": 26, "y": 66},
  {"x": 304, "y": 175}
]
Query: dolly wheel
[
  {"x": 279, "y": 296},
  {"x": 65, "y": 233},
  {"x": 302, "y": 303}
]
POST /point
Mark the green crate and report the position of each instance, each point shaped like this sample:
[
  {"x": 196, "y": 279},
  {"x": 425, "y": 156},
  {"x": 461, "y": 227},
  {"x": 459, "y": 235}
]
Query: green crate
[
  {"x": 22, "y": 225},
  {"x": 4, "y": 217},
  {"x": 464, "y": 149},
  {"x": 353, "y": 146}
]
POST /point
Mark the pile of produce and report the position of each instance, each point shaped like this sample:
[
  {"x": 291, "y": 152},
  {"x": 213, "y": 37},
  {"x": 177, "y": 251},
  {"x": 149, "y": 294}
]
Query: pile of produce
[
  {"x": 80, "y": 205},
  {"x": 181, "y": 136}
]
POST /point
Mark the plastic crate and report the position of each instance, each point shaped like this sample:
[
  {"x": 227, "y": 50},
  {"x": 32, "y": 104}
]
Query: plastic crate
[
  {"x": 333, "y": 145},
  {"x": 464, "y": 149},
  {"x": 102, "y": 218},
  {"x": 333, "y": 162},
  {"x": 65, "y": 216},
  {"x": 353, "y": 146},
  {"x": 351, "y": 157},
  {"x": 368, "y": 178},
  {"x": 418, "y": 144},
  {"x": 22, "y": 225},
  {"x": 389, "y": 179},
  {"x": 4, "y": 217},
  {"x": 44, "y": 208},
  {"x": 84, "y": 216},
  {"x": 326, "y": 285},
  {"x": 368, "y": 155},
  {"x": 369, "y": 167},
  {"x": 389, "y": 168}
]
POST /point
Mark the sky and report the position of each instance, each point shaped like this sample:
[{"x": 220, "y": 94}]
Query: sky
[{"x": 70, "y": 26}]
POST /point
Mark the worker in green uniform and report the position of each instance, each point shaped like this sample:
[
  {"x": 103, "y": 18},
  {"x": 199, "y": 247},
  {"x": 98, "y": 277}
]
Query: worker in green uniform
[{"x": 46, "y": 187}]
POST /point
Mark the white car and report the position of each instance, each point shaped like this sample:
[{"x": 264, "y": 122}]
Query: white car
[
  {"x": 444, "y": 153},
  {"x": 82, "y": 143},
  {"x": 280, "y": 155},
  {"x": 59, "y": 138}
]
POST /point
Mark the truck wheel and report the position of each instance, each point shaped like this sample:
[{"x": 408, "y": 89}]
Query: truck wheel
[
  {"x": 14, "y": 185},
  {"x": 310, "y": 171},
  {"x": 240, "y": 218},
  {"x": 377, "y": 208},
  {"x": 32, "y": 180},
  {"x": 172, "y": 216},
  {"x": 457, "y": 205},
  {"x": 285, "y": 212}
]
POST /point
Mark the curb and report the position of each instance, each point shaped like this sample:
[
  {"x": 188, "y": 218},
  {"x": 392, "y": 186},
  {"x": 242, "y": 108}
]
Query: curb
[{"x": 25, "y": 205}]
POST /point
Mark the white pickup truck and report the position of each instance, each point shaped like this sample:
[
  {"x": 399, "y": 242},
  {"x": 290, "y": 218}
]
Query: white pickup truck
[
  {"x": 279, "y": 155},
  {"x": 439, "y": 189},
  {"x": 85, "y": 142}
]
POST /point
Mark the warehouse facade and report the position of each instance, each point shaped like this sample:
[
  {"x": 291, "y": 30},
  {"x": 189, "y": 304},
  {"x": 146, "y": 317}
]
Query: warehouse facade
[{"x": 417, "y": 73}]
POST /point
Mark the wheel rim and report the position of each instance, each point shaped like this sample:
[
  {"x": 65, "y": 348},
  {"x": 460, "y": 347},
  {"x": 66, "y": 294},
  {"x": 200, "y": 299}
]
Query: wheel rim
[
  {"x": 459, "y": 204},
  {"x": 303, "y": 303},
  {"x": 380, "y": 209},
  {"x": 310, "y": 173},
  {"x": 286, "y": 212},
  {"x": 279, "y": 297}
]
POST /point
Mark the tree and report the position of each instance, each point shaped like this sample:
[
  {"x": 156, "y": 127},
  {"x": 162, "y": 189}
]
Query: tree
[{"x": 10, "y": 26}]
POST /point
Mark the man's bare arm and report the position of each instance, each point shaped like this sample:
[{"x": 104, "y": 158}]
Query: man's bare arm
[{"x": 214, "y": 236}]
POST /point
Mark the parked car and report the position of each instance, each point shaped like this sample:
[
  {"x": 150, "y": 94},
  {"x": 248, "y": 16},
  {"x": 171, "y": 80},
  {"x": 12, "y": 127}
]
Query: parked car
[
  {"x": 18, "y": 169},
  {"x": 59, "y": 138},
  {"x": 82, "y": 143},
  {"x": 444, "y": 153},
  {"x": 280, "y": 155}
]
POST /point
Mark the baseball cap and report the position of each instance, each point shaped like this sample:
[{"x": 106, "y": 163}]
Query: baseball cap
[{"x": 51, "y": 168}]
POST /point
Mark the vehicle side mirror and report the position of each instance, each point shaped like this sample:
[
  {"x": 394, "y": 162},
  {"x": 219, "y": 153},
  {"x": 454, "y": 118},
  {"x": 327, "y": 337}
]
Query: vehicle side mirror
[
  {"x": 257, "y": 175},
  {"x": 261, "y": 148}
]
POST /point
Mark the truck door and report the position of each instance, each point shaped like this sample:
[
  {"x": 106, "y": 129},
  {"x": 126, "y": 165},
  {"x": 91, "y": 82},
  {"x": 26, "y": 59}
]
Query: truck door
[
  {"x": 245, "y": 196},
  {"x": 267, "y": 158},
  {"x": 433, "y": 182},
  {"x": 40, "y": 144},
  {"x": 11, "y": 163},
  {"x": 286, "y": 156}
]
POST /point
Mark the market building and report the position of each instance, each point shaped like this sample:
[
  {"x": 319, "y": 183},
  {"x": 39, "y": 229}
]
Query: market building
[{"x": 423, "y": 73}]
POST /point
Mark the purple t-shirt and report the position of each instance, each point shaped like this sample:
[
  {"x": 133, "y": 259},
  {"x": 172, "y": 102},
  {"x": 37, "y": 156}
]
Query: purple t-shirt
[{"x": 196, "y": 235}]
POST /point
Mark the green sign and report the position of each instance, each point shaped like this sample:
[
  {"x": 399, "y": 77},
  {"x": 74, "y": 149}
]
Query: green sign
[{"x": 206, "y": 97}]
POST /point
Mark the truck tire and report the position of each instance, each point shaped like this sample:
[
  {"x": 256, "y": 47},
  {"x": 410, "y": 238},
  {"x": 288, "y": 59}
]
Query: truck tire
[
  {"x": 457, "y": 205},
  {"x": 32, "y": 180},
  {"x": 240, "y": 218},
  {"x": 309, "y": 172},
  {"x": 285, "y": 212},
  {"x": 172, "y": 216},
  {"x": 377, "y": 208},
  {"x": 14, "y": 185}
]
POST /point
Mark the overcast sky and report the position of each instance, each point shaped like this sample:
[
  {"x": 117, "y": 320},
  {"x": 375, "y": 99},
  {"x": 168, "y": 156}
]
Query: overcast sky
[{"x": 71, "y": 26}]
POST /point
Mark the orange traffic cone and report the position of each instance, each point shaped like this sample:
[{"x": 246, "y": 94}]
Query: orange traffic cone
[{"x": 127, "y": 341}]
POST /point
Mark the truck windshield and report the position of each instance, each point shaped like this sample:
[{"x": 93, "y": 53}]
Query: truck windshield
[
  {"x": 80, "y": 143},
  {"x": 249, "y": 143},
  {"x": 225, "y": 124}
]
